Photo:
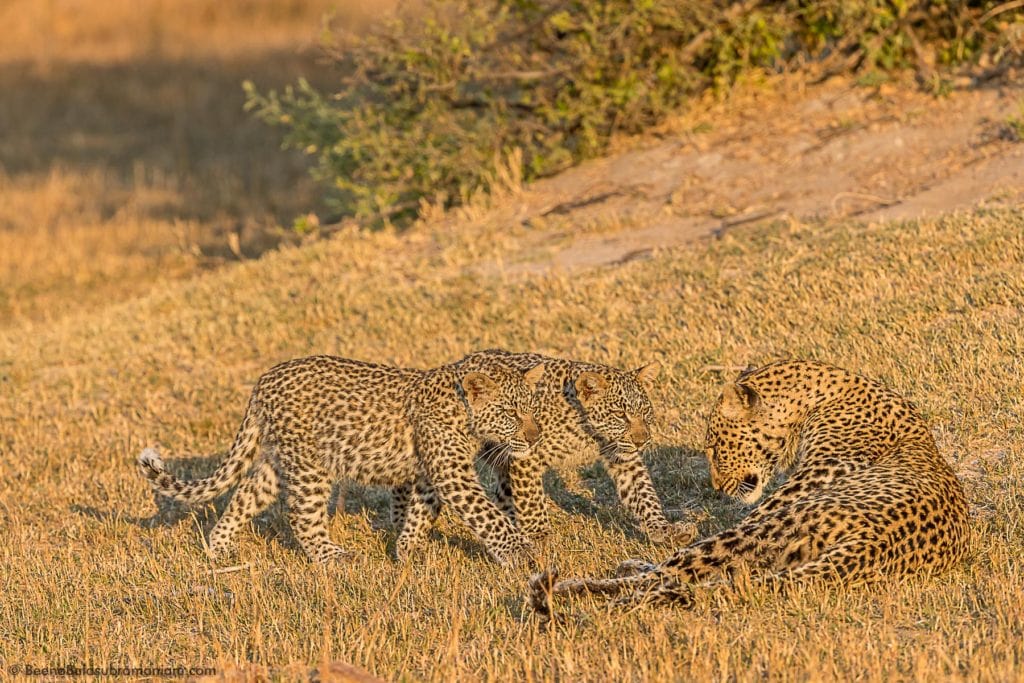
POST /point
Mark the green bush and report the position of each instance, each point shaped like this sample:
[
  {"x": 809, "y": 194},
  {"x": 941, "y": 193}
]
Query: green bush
[{"x": 431, "y": 102}]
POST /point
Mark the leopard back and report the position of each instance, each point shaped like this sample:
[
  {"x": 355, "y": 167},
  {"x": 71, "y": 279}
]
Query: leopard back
[{"x": 347, "y": 415}]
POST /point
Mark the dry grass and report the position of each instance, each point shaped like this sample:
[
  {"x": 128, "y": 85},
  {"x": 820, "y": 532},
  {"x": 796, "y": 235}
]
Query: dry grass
[
  {"x": 124, "y": 139},
  {"x": 91, "y": 576},
  {"x": 127, "y": 163}
]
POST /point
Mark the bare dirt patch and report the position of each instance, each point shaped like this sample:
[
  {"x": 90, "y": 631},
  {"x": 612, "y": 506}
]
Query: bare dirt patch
[
  {"x": 831, "y": 151},
  {"x": 129, "y": 163}
]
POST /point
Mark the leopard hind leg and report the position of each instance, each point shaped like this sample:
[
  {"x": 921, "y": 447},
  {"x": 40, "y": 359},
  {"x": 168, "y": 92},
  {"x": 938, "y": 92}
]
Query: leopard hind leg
[
  {"x": 639, "y": 582},
  {"x": 849, "y": 562},
  {"x": 307, "y": 493},
  {"x": 421, "y": 510},
  {"x": 256, "y": 493}
]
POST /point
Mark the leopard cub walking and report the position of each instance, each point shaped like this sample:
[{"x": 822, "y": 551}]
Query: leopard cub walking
[
  {"x": 314, "y": 420},
  {"x": 869, "y": 494},
  {"x": 587, "y": 409}
]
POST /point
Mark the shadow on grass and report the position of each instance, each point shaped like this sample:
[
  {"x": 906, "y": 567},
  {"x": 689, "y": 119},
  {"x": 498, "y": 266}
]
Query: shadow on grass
[
  {"x": 272, "y": 523},
  {"x": 176, "y": 126},
  {"x": 373, "y": 503},
  {"x": 679, "y": 474},
  {"x": 169, "y": 512}
]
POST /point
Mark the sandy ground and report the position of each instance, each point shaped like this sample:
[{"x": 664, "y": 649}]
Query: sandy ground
[{"x": 829, "y": 152}]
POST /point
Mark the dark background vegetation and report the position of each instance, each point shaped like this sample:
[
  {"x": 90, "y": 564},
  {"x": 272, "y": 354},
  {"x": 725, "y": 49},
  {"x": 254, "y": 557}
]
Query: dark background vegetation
[{"x": 432, "y": 102}]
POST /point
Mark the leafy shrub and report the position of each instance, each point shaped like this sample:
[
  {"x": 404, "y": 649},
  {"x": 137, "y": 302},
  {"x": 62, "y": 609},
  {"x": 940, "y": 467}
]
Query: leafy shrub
[{"x": 432, "y": 101}]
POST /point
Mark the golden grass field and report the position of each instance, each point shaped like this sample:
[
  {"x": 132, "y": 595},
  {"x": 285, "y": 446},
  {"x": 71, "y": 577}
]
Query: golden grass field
[
  {"x": 126, "y": 159},
  {"x": 115, "y": 335},
  {"x": 91, "y": 575}
]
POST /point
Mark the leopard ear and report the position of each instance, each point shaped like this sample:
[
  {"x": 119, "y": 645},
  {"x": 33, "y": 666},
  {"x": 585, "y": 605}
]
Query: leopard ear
[
  {"x": 648, "y": 373},
  {"x": 533, "y": 376},
  {"x": 479, "y": 388},
  {"x": 589, "y": 385},
  {"x": 739, "y": 400},
  {"x": 746, "y": 372}
]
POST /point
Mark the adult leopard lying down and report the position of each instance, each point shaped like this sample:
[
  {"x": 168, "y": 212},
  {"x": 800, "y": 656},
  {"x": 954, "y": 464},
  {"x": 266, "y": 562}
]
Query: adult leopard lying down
[{"x": 868, "y": 496}]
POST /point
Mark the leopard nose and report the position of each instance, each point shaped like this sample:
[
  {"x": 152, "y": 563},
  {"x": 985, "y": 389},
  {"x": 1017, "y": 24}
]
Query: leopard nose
[
  {"x": 530, "y": 431},
  {"x": 639, "y": 434},
  {"x": 716, "y": 483}
]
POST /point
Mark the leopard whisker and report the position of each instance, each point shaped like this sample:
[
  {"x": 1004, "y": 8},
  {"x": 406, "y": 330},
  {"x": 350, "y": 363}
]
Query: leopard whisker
[{"x": 494, "y": 455}]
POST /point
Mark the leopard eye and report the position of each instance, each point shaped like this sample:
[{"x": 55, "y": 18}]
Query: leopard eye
[{"x": 511, "y": 413}]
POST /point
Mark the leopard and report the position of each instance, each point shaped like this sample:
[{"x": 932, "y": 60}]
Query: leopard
[
  {"x": 868, "y": 494},
  {"x": 315, "y": 420},
  {"x": 591, "y": 409}
]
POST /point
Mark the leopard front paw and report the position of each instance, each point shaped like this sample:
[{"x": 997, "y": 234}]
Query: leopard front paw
[
  {"x": 220, "y": 554},
  {"x": 329, "y": 553},
  {"x": 516, "y": 553},
  {"x": 405, "y": 547}
]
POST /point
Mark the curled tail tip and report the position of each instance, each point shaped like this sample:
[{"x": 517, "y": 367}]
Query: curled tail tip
[
  {"x": 546, "y": 578},
  {"x": 149, "y": 462},
  {"x": 541, "y": 586}
]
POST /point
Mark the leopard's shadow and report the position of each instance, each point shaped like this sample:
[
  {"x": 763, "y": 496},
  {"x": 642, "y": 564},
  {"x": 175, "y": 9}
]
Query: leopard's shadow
[
  {"x": 679, "y": 474},
  {"x": 272, "y": 523},
  {"x": 168, "y": 512},
  {"x": 347, "y": 497}
]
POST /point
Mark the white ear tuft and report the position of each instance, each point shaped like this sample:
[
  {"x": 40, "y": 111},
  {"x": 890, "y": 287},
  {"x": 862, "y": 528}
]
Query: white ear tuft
[
  {"x": 589, "y": 385},
  {"x": 739, "y": 400},
  {"x": 534, "y": 375},
  {"x": 479, "y": 388}
]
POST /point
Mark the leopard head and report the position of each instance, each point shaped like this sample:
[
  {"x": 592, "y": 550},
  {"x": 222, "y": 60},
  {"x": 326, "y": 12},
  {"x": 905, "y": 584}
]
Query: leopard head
[
  {"x": 616, "y": 409},
  {"x": 745, "y": 442},
  {"x": 502, "y": 403}
]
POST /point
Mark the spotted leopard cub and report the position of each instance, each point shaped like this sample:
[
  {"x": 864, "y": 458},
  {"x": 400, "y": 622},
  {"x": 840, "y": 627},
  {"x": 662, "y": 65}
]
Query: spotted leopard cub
[
  {"x": 312, "y": 421},
  {"x": 869, "y": 494},
  {"x": 588, "y": 410}
]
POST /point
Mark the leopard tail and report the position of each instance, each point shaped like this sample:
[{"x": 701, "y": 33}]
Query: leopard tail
[
  {"x": 243, "y": 452},
  {"x": 546, "y": 585}
]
